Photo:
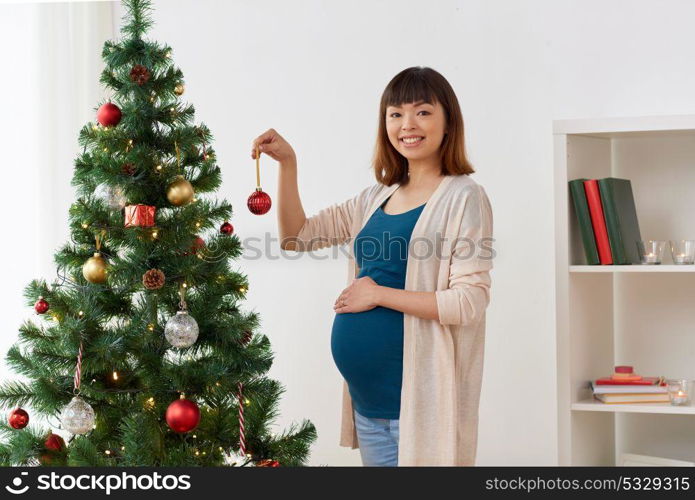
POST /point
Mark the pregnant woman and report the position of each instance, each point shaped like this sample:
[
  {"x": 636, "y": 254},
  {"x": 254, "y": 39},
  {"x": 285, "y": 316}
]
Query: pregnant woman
[{"x": 408, "y": 335}]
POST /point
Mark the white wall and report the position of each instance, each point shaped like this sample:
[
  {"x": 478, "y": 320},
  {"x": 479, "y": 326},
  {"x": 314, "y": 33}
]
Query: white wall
[
  {"x": 51, "y": 53},
  {"x": 314, "y": 70}
]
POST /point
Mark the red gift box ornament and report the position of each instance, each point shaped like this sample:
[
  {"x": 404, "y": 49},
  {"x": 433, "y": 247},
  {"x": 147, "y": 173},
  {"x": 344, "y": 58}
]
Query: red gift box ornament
[
  {"x": 139, "y": 215},
  {"x": 259, "y": 202}
]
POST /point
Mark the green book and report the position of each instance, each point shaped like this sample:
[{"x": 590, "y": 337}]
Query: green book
[
  {"x": 585, "y": 228},
  {"x": 621, "y": 219}
]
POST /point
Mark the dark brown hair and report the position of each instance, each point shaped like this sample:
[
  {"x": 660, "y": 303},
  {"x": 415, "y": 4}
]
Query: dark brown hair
[{"x": 409, "y": 86}]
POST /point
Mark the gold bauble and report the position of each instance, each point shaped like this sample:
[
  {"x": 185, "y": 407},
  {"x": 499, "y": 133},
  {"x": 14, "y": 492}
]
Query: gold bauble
[
  {"x": 180, "y": 192},
  {"x": 94, "y": 270},
  {"x": 179, "y": 89}
]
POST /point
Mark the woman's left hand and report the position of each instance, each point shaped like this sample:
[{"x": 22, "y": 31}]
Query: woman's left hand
[{"x": 360, "y": 296}]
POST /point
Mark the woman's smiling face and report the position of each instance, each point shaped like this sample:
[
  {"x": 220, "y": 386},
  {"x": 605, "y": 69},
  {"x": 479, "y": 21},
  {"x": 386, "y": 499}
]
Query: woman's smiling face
[{"x": 416, "y": 130}]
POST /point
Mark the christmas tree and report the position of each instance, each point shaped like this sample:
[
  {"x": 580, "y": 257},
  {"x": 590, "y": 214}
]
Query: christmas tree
[{"x": 139, "y": 352}]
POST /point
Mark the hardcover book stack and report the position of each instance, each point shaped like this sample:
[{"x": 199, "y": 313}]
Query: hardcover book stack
[
  {"x": 605, "y": 210},
  {"x": 624, "y": 386}
]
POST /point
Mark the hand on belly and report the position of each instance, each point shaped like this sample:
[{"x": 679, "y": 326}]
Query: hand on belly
[{"x": 361, "y": 295}]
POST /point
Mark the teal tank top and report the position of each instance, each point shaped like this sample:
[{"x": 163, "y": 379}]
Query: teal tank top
[{"x": 367, "y": 347}]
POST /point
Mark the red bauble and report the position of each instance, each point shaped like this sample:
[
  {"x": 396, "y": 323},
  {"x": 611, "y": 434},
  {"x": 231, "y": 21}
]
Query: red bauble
[
  {"x": 54, "y": 442},
  {"x": 41, "y": 306},
  {"x": 183, "y": 415},
  {"x": 268, "y": 463},
  {"x": 198, "y": 244},
  {"x": 109, "y": 115},
  {"x": 259, "y": 202},
  {"x": 226, "y": 228},
  {"x": 18, "y": 418}
]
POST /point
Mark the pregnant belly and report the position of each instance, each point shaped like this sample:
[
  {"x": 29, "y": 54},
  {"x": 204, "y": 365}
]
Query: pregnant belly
[{"x": 367, "y": 344}]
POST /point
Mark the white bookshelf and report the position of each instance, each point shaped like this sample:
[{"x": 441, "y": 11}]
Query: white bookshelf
[{"x": 637, "y": 315}]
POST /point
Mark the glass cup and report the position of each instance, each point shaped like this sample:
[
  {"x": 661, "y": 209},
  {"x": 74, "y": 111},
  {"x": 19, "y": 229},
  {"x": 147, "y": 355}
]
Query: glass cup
[
  {"x": 651, "y": 251},
  {"x": 678, "y": 392},
  {"x": 683, "y": 251}
]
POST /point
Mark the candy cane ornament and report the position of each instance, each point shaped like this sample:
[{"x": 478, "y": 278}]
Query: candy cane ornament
[{"x": 242, "y": 436}]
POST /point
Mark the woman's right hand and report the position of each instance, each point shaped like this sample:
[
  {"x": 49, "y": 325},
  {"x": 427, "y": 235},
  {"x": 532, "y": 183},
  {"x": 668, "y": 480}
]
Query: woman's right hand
[{"x": 274, "y": 145}]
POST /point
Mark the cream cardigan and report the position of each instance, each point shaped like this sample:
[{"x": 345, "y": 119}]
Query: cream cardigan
[{"x": 450, "y": 253}]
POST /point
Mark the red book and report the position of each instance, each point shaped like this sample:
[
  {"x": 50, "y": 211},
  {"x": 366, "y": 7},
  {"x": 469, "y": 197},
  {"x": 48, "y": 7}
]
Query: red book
[
  {"x": 593, "y": 199},
  {"x": 617, "y": 381}
]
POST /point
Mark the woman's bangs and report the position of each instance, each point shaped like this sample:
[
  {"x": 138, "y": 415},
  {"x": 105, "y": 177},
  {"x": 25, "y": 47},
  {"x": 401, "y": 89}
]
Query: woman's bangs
[{"x": 409, "y": 89}]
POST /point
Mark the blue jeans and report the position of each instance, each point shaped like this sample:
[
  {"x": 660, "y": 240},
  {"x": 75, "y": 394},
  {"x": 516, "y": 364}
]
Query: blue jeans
[{"x": 378, "y": 440}]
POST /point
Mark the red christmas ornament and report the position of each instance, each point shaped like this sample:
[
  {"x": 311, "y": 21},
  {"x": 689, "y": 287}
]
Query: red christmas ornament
[
  {"x": 46, "y": 459},
  {"x": 18, "y": 418},
  {"x": 54, "y": 442},
  {"x": 41, "y": 306},
  {"x": 109, "y": 115},
  {"x": 198, "y": 244},
  {"x": 226, "y": 228},
  {"x": 183, "y": 415},
  {"x": 259, "y": 202},
  {"x": 268, "y": 463}
]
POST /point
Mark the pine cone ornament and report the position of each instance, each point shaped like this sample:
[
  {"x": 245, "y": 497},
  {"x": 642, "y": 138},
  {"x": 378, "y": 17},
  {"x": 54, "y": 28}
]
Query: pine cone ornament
[
  {"x": 153, "y": 279},
  {"x": 128, "y": 169},
  {"x": 246, "y": 337},
  {"x": 139, "y": 74}
]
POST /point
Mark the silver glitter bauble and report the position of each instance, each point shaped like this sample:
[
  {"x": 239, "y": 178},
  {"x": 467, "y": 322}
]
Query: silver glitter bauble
[
  {"x": 113, "y": 196},
  {"x": 181, "y": 330},
  {"x": 78, "y": 416}
]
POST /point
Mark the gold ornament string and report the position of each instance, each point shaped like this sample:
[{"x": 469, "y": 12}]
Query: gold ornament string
[
  {"x": 98, "y": 238},
  {"x": 258, "y": 169},
  {"x": 178, "y": 157}
]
